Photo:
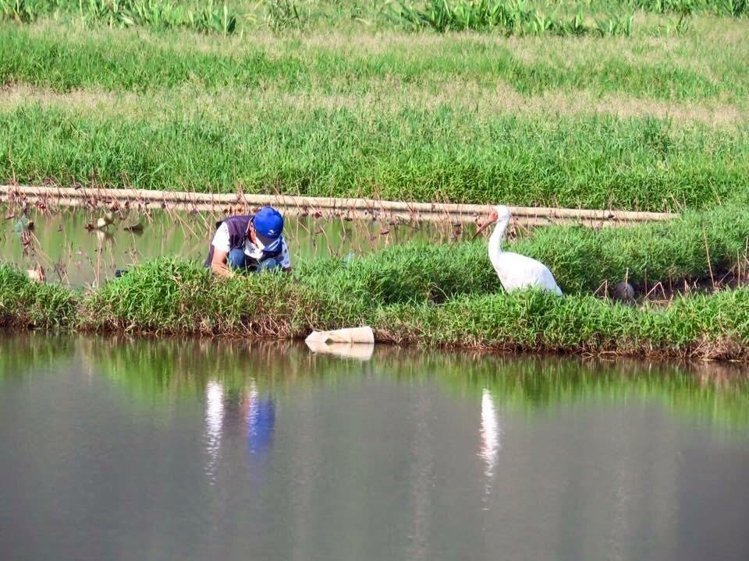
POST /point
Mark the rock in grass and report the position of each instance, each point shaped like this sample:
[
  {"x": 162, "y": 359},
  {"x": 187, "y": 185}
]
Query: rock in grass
[{"x": 623, "y": 292}]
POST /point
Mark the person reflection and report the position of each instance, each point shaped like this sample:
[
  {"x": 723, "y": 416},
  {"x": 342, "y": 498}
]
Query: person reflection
[
  {"x": 255, "y": 413},
  {"x": 260, "y": 418}
]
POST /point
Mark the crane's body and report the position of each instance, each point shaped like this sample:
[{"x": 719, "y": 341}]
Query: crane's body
[{"x": 515, "y": 271}]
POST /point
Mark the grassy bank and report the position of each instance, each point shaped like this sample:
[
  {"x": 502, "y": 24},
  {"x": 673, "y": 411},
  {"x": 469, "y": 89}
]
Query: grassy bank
[
  {"x": 639, "y": 122},
  {"x": 595, "y": 162},
  {"x": 180, "y": 298},
  {"x": 437, "y": 295},
  {"x": 583, "y": 260},
  {"x": 699, "y": 67},
  {"x": 26, "y": 305}
]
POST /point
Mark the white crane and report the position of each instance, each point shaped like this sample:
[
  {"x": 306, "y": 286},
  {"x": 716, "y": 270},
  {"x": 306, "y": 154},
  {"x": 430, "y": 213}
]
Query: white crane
[{"x": 515, "y": 271}]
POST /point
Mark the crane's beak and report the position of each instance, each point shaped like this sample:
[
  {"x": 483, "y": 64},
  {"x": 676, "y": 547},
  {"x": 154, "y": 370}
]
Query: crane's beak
[{"x": 491, "y": 220}]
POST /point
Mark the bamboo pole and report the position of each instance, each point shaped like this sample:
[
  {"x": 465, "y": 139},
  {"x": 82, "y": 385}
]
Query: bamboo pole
[{"x": 347, "y": 207}]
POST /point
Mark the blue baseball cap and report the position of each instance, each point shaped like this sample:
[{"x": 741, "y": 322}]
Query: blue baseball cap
[{"x": 268, "y": 224}]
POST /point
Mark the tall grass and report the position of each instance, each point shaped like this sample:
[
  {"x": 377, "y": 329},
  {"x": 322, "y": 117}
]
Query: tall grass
[
  {"x": 273, "y": 306},
  {"x": 705, "y": 326},
  {"x": 509, "y": 17},
  {"x": 24, "y": 304},
  {"x": 686, "y": 249},
  {"x": 734, "y": 8},
  {"x": 566, "y": 17},
  {"x": 154, "y": 14},
  {"x": 583, "y": 260},
  {"x": 595, "y": 162}
]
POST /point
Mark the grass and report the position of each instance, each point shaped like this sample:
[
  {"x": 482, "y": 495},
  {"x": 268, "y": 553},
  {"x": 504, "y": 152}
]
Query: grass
[
  {"x": 713, "y": 327},
  {"x": 512, "y": 17},
  {"x": 154, "y": 14},
  {"x": 690, "y": 68},
  {"x": 569, "y": 17},
  {"x": 636, "y": 122},
  {"x": 24, "y": 304},
  {"x": 443, "y": 295},
  {"x": 164, "y": 298},
  {"x": 582, "y": 260},
  {"x": 596, "y": 162}
]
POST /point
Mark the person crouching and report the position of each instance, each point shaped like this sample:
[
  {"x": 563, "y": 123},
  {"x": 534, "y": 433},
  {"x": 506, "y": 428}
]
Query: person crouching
[{"x": 249, "y": 243}]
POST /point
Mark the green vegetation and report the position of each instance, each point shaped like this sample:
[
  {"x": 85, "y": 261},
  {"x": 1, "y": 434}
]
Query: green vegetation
[
  {"x": 154, "y": 14},
  {"x": 504, "y": 16},
  {"x": 594, "y": 162},
  {"x": 699, "y": 326},
  {"x": 583, "y": 260},
  {"x": 24, "y": 304},
  {"x": 636, "y": 104},
  {"x": 651, "y": 121},
  {"x": 507, "y": 17},
  {"x": 439, "y": 295}
]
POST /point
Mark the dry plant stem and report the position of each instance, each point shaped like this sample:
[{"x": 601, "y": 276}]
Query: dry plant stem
[{"x": 707, "y": 253}]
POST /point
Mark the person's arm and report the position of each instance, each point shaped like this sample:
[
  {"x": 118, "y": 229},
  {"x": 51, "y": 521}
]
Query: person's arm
[
  {"x": 219, "y": 263},
  {"x": 221, "y": 247}
]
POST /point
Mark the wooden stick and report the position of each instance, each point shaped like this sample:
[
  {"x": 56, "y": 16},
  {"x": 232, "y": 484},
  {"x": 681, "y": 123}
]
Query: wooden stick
[{"x": 367, "y": 207}]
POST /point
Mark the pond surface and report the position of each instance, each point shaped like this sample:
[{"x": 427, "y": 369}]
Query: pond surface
[
  {"x": 73, "y": 253},
  {"x": 215, "y": 450}
]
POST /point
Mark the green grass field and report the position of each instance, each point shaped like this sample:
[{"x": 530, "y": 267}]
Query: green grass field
[{"x": 341, "y": 104}]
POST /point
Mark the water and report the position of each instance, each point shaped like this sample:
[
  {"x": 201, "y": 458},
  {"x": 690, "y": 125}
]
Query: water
[
  {"x": 74, "y": 254},
  {"x": 166, "y": 450}
]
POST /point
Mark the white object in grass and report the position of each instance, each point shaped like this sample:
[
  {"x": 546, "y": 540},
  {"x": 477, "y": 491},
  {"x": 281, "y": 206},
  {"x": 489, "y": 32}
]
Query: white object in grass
[
  {"x": 347, "y": 335},
  {"x": 515, "y": 271}
]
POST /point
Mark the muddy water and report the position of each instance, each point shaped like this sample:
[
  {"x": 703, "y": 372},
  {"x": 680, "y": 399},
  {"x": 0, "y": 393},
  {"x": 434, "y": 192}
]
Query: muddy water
[
  {"x": 73, "y": 253},
  {"x": 215, "y": 450}
]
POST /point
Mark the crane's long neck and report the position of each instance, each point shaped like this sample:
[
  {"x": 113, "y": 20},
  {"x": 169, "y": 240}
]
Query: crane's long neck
[{"x": 495, "y": 241}]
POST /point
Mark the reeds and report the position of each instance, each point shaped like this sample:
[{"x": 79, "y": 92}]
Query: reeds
[
  {"x": 154, "y": 14},
  {"x": 509, "y": 17}
]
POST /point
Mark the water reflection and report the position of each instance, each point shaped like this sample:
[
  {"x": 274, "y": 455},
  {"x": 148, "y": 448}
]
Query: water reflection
[
  {"x": 214, "y": 419},
  {"x": 359, "y": 351},
  {"x": 32, "y": 353},
  {"x": 273, "y": 452},
  {"x": 260, "y": 416},
  {"x": 75, "y": 252},
  {"x": 490, "y": 433},
  {"x": 170, "y": 369}
]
